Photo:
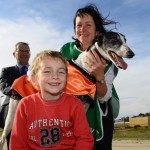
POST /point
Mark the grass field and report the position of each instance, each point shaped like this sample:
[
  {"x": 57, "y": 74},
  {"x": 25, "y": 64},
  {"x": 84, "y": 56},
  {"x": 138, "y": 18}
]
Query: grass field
[
  {"x": 124, "y": 132},
  {"x": 132, "y": 134}
]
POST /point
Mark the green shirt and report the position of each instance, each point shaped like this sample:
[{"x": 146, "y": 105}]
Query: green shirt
[{"x": 70, "y": 51}]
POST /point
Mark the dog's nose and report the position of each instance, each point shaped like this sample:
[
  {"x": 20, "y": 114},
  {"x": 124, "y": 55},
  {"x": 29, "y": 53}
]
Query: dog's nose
[{"x": 130, "y": 54}]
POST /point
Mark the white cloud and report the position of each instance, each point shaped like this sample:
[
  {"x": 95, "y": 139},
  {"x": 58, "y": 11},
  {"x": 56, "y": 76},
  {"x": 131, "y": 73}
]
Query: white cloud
[
  {"x": 133, "y": 87},
  {"x": 37, "y": 32}
]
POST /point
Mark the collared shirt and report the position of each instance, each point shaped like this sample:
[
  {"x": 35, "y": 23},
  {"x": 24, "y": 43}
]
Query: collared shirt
[{"x": 20, "y": 66}]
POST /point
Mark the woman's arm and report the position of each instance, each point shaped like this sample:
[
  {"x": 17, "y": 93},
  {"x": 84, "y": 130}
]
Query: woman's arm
[
  {"x": 96, "y": 66},
  {"x": 109, "y": 78}
]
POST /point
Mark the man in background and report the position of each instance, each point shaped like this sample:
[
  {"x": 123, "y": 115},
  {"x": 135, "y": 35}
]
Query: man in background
[{"x": 7, "y": 77}]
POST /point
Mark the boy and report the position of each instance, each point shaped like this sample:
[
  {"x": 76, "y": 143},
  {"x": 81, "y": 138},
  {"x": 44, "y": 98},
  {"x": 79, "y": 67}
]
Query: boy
[{"x": 50, "y": 119}]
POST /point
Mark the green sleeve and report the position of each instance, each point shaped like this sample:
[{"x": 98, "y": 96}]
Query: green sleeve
[
  {"x": 70, "y": 51},
  {"x": 114, "y": 100}
]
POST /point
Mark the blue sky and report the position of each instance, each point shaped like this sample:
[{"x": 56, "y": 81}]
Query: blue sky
[{"x": 48, "y": 24}]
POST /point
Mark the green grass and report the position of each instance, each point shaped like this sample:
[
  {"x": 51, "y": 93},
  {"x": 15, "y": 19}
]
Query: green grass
[
  {"x": 121, "y": 133},
  {"x": 127, "y": 133}
]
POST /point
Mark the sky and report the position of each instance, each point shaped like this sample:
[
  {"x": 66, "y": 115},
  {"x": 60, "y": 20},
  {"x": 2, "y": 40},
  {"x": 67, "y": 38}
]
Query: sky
[{"x": 48, "y": 24}]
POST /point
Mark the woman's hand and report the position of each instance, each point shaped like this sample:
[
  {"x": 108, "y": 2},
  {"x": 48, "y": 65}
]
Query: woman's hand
[{"x": 95, "y": 64}]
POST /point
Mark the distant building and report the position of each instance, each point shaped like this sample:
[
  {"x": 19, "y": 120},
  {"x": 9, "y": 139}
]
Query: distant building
[{"x": 139, "y": 121}]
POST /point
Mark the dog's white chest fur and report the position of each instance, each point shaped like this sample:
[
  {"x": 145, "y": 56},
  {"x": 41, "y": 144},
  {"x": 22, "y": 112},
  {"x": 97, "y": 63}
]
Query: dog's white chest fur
[{"x": 81, "y": 60}]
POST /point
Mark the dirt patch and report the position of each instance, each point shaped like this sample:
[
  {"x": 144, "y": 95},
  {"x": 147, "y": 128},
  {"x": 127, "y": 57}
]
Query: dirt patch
[
  {"x": 125, "y": 145},
  {"x": 131, "y": 145}
]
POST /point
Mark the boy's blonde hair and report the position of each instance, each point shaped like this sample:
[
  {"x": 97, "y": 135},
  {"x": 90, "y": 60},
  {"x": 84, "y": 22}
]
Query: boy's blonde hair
[{"x": 41, "y": 56}]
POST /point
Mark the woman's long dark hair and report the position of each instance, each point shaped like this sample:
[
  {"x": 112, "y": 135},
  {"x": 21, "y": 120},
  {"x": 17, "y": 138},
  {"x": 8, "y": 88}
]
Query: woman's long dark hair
[{"x": 99, "y": 20}]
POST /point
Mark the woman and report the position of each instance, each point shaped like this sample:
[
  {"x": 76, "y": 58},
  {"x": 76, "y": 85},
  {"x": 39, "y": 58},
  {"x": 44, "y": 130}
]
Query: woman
[{"x": 88, "y": 23}]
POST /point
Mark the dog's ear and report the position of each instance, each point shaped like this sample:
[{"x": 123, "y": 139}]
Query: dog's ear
[{"x": 99, "y": 39}]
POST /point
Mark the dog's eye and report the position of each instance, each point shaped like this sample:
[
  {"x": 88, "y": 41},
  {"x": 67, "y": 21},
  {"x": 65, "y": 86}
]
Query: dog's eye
[{"x": 113, "y": 41}]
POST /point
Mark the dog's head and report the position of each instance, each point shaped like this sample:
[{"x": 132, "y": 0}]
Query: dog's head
[{"x": 112, "y": 47}]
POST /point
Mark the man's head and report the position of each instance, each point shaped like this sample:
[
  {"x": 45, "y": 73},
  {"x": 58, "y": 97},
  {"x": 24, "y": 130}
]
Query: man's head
[{"x": 22, "y": 53}]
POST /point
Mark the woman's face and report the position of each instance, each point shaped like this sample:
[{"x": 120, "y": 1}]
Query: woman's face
[{"x": 85, "y": 30}]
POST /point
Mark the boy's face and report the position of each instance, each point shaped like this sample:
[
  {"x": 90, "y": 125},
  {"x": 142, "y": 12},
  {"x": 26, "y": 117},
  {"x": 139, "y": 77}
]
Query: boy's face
[{"x": 51, "y": 78}]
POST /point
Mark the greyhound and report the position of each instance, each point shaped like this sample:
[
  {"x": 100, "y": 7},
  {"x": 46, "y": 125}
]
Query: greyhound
[{"x": 112, "y": 47}]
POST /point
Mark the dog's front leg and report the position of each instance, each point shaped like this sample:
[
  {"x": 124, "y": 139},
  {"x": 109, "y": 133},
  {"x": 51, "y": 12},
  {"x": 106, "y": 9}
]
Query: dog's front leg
[{"x": 9, "y": 121}]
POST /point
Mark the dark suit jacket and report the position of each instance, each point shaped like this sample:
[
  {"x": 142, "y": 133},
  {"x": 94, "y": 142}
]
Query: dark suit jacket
[{"x": 7, "y": 77}]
